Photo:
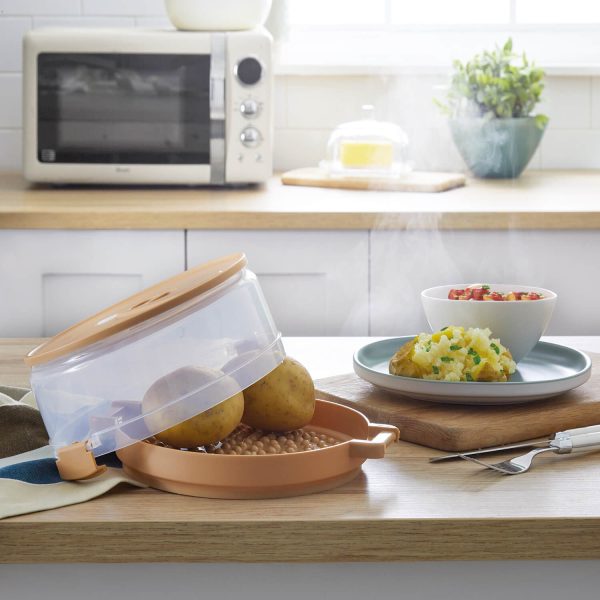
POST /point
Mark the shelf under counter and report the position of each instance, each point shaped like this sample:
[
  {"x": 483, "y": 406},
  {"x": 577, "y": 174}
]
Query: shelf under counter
[{"x": 537, "y": 200}]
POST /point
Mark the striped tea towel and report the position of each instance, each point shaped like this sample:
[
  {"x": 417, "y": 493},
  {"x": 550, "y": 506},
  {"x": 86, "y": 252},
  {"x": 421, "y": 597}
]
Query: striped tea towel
[{"x": 29, "y": 479}]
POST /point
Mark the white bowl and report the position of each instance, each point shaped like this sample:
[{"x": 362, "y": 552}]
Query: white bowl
[
  {"x": 217, "y": 15},
  {"x": 519, "y": 325}
]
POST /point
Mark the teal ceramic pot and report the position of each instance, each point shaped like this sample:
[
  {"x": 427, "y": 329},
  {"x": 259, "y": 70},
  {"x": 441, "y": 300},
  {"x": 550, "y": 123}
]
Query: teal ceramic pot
[{"x": 496, "y": 148}]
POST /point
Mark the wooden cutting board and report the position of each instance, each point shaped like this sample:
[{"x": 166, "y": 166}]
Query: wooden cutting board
[
  {"x": 417, "y": 181},
  {"x": 455, "y": 427}
]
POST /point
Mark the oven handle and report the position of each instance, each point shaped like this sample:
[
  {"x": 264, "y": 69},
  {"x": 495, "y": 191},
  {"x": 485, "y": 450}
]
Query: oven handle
[{"x": 217, "y": 108}]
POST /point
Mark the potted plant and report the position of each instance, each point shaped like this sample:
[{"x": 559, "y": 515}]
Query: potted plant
[{"x": 490, "y": 103}]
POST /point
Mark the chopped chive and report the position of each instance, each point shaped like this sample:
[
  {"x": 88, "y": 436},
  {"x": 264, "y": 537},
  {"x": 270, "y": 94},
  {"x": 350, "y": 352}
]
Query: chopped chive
[
  {"x": 472, "y": 352},
  {"x": 468, "y": 377},
  {"x": 477, "y": 359},
  {"x": 495, "y": 348},
  {"x": 455, "y": 347},
  {"x": 446, "y": 359},
  {"x": 435, "y": 370},
  {"x": 485, "y": 287},
  {"x": 443, "y": 328}
]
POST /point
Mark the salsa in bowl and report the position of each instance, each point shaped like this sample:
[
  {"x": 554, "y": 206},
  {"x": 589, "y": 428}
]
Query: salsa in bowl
[{"x": 517, "y": 314}]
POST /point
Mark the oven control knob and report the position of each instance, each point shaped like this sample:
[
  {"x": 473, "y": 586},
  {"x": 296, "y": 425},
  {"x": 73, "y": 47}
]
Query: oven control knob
[
  {"x": 250, "y": 108},
  {"x": 248, "y": 71},
  {"x": 250, "y": 137}
]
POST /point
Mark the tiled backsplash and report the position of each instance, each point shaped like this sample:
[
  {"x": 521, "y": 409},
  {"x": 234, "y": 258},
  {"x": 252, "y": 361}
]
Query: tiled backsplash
[{"x": 307, "y": 108}]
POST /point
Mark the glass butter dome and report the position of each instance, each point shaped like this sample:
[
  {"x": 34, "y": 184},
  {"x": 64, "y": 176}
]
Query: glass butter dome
[{"x": 367, "y": 148}]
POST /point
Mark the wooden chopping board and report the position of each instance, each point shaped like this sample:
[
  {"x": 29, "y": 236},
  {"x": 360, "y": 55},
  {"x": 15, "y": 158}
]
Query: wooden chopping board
[
  {"x": 453, "y": 427},
  {"x": 417, "y": 181}
]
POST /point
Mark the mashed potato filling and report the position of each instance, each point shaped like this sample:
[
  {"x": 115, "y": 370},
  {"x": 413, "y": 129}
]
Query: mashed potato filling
[{"x": 454, "y": 354}]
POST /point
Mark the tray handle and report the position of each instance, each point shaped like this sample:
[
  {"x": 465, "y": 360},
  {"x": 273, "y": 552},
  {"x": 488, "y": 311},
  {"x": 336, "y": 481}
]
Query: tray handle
[{"x": 380, "y": 437}]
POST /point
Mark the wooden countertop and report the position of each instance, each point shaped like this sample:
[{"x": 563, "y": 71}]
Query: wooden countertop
[
  {"x": 538, "y": 200},
  {"x": 399, "y": 508}
]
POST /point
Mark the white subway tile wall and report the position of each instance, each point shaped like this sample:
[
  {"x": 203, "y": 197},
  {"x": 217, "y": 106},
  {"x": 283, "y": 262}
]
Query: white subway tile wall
[{"x": 307, "y": 108}]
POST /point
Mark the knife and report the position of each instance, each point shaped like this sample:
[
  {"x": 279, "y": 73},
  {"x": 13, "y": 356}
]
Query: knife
[{"x": 538, "y": 444}]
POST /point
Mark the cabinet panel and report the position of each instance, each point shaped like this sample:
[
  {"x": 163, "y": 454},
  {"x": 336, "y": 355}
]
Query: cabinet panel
[
  {"x": 405, "y": 262},
  {"x": 316, "y": 282},
  {"x": 51, "y": 279}
]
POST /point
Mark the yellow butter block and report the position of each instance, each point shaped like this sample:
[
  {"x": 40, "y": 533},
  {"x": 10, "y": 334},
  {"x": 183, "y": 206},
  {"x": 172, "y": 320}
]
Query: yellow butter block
[{"x": 355, "y": 155}]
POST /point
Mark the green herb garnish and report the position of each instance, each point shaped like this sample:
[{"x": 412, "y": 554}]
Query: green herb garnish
[
  {"x": 455, "y": 347},
  {"x": 443, "y": 328},
  {"x": 468, "y": 377},
  {"x": 446, "y": 359},
  {"x": 435, "y": 370},
  {"x": 485, "y": 287},
  {"x": 477, "y": 359},
  {"x": 495, "y": 348},
  {"x": 472, "y": 352}
]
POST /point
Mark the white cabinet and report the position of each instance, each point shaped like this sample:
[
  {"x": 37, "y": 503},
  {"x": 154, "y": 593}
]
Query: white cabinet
[
  {"x": 327, "y": 283},
  {"x": 51, "y": 279},
  {"x": 405, "y": 262},
  {"x": 316, "y": 282}
]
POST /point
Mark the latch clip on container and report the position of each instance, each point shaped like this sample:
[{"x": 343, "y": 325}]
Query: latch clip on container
[{"x": 75, "y": 462}]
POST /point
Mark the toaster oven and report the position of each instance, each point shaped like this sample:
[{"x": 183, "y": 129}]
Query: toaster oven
[{"x": 132, "y": 106}]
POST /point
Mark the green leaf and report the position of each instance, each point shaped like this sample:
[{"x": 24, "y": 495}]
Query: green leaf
[
  {"x": 495, "y": 348},
  {"x": 446, "y": 359},
  {"x": 541, "y": 121},
  {"x": 455, "y": 347},
  {"x": 436, "y": 370},
  {"x": 494, "y": 84},
  {"x": 468, "y": 377}
]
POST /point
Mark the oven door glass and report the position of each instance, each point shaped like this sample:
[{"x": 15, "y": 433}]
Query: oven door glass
[{"x": 124, "y": 108}]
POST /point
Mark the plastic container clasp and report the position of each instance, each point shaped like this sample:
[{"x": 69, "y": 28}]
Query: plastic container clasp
[{"x": 76, "y": 462}]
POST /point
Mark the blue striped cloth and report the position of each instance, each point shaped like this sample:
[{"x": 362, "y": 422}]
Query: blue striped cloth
[{"x": 30, "y": 482}]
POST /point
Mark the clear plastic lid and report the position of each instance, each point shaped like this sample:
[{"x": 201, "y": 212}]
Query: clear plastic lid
[
  {"x": 367, "y": 148},
  {"x": 208, "y": 338}
]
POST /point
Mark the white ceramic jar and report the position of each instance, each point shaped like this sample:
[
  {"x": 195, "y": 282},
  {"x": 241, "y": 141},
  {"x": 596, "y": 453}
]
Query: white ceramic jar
[{"x": 217, "y": 15}]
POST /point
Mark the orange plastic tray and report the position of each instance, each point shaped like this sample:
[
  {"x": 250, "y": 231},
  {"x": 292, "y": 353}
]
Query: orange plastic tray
[{"x": 268, "y": 476}]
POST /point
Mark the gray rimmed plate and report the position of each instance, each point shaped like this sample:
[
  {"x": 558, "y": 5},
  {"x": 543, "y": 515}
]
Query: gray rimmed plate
[{"x": 548, "y": 370}]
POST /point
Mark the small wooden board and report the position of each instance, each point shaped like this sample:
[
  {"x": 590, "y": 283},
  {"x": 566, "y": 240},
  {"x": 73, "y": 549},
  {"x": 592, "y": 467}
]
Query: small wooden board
[
  {"x": 455, "y": 427},
  {"x": 417, "y": 181}
]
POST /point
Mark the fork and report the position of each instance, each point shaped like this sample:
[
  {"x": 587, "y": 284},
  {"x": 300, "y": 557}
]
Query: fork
[{"x": 564, "y": 442}]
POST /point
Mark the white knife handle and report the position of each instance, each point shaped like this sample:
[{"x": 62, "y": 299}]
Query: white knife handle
[
  {"x": 577, "y": 439},
  {"x": 579, "y": 430},
  {"x": 585, "y": 440}
]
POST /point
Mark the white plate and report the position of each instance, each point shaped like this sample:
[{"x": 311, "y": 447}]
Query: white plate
[{"x": 548, "y": 370}]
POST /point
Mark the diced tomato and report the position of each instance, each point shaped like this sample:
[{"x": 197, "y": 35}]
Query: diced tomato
[
  {"x": 534, "y": 296},
  {"x": 456, "y": 294},
  {"x": 494, "y": 296},
  {"x": 483, "y": 292},
  {"x": 477, "y": 293}
]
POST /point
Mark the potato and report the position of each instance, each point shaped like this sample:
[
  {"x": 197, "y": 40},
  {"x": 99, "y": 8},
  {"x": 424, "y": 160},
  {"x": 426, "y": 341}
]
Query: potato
[
  {"x": 283, "y": 400},
  {"x": 207, "y": 427},
  {"x": 402, "y": 364}
]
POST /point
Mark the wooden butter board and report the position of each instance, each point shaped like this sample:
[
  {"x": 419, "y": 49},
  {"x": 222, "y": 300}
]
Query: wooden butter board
[
  {"x": 453, "y": 427},
  {"x": 417, "y": 181}
]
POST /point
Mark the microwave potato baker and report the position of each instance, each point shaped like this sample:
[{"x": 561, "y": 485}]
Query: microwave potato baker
[
  {"x": 135, "y": 106},
  {"x": 92, "y": 382}
]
